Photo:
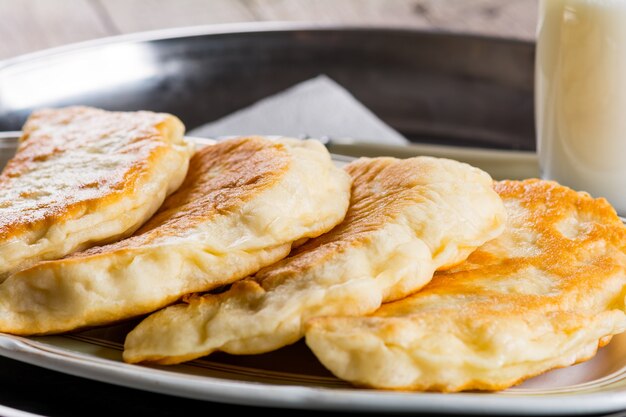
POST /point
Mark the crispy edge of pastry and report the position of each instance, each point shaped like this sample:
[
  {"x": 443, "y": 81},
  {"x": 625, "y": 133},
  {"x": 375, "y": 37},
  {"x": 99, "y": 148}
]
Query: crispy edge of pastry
[
  {"x": 149, "y": 271},
  {"x": 62, "y": 228},
  {"x": 479, "y": 326}
]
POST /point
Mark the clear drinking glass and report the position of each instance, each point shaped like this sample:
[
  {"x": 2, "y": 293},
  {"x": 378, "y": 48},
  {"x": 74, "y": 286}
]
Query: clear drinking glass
[{"x": 580, "y": 93}]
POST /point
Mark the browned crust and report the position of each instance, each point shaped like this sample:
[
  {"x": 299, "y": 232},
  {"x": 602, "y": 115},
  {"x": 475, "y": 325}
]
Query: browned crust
[
  {"x": 581, "y": 268},
  {"x": 221, "y": 178},
  {"x": 381, "y": 189},
  {"x": 46, "y": 135},
  {"x": 577, "y": 263}
]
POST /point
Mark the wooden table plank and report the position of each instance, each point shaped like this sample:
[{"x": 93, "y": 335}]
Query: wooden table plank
[
  {"x": 511, "y": 18},
  {"x": 366, "y": 12},
  {"x": 507, "y": 18},
  {"x": 142, "y": 15},
  {"x": 31, "y": 25}
]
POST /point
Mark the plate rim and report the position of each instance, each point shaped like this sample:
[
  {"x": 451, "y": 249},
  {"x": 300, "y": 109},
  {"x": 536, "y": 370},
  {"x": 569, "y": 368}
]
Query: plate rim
[
  {"x": 251, "y": 27},
  {"x": 209, "y": 388}
]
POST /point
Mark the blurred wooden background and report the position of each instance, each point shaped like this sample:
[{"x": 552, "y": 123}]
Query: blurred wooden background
[{"x": 31, "y": 25}]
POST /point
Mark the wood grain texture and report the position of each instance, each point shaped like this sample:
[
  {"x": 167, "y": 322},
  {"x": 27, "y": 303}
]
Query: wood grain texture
[
  {"x": 30, "y": 25},
  {"x": 375, "y": 12},
  {"x": 508, "y": 18},
  {"x": 511, "y": 18},
  {"x": 141, "y": 15}
]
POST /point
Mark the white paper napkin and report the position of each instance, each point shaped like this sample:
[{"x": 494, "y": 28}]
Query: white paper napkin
[{"x": 315, "y": 108}]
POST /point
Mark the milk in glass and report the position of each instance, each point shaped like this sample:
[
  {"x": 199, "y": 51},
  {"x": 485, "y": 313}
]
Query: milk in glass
[{"x": 580, "y": 83}]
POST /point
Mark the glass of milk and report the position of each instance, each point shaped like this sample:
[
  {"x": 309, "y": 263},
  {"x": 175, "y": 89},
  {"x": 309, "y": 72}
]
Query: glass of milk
[{"x": 580, "y": 93}]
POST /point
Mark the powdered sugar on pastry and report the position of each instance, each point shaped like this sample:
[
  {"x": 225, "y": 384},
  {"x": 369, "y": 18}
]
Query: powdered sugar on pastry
[{"x": 83, "y": 176}]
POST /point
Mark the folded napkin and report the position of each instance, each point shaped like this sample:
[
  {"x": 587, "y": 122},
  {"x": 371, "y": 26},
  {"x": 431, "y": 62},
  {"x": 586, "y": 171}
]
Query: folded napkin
[{"x": 316, "y": 108}]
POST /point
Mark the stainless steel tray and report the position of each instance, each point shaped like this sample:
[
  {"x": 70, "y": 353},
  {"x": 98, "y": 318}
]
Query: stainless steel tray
[{"x": 434, "y": 87}]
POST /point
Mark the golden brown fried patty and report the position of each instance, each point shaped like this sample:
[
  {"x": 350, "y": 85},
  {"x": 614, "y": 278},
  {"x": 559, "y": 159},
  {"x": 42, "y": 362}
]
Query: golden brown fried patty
[
  {"x": 243, "y": 203},
  {"x": 83, "y": 176},
  {"x": 543, "y": 295},
  {"x": 406, "y": 219}
]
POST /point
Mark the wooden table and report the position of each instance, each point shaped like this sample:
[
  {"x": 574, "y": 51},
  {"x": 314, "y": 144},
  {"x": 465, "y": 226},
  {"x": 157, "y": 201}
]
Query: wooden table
[{"x": 31, "y": 25}]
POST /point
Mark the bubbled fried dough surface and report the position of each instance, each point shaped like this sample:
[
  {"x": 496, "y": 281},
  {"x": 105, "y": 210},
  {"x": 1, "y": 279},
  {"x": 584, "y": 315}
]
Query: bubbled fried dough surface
[
  {"x": 383, "y": 189},
  {"x": 82, "y": 176},
  {"x": 545, "y": 294},
  {"x": 221, "y": 180},
  {"x": 242, "y": 205},
  {"x": 406, "y": 219}
]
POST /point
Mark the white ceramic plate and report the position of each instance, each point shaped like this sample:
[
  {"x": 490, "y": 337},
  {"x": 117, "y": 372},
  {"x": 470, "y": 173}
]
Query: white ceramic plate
[{"x": 293, "y": 378}]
